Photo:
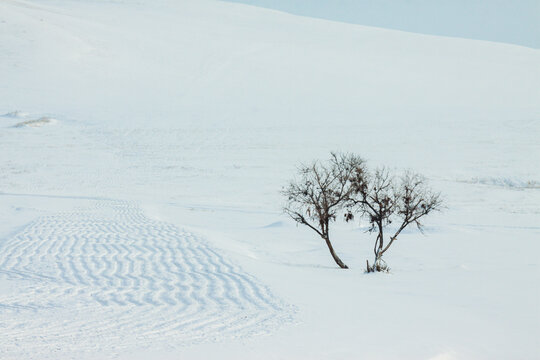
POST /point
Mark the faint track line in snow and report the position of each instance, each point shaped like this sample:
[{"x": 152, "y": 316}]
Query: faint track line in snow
[{"x": 109, "y": 271}]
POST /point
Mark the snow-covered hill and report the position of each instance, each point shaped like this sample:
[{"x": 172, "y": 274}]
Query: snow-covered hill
[{"x": 143, "y": 145}]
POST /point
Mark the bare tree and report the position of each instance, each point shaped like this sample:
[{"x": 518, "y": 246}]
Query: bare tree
[
  {"x": 320, "y": 192},
  {"x": 382, "y": 199}
]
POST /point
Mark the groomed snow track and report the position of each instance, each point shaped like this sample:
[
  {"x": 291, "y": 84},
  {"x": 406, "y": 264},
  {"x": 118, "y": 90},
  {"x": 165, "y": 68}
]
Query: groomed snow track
[{"x": 123, "y": 280}]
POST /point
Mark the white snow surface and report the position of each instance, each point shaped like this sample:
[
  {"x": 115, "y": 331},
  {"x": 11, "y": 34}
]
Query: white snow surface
[{"x": 143, "y": 145}]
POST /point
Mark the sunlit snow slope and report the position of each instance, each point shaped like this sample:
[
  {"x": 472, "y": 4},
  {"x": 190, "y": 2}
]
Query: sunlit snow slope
[{"x": 143, "y": 145}]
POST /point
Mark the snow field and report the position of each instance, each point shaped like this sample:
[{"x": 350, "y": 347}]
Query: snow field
[{"x": 195, "y": 113}]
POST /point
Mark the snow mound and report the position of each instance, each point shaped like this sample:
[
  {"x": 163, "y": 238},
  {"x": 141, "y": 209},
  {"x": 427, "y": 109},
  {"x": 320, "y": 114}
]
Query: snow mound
[
  {"x": 36, "y": 123},
  {"x": 276, "y": 224},
  {"x": 15, "y": 114},
  {"x": 508, "y": 182}
]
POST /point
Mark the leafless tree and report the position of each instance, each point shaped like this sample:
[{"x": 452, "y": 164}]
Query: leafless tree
[
  {"x": 315, "y": 198},
  {"x": 382, "y": 200}
]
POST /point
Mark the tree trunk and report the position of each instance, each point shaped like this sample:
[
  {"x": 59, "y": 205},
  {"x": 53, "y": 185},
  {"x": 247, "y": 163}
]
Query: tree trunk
[
  {"x": 336, "y": 258},
  {"x": 378, "y": 252}
]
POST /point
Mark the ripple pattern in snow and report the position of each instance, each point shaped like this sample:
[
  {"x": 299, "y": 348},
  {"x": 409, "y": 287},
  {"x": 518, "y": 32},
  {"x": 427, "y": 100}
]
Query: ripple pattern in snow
[{"x": 110, "y": 272}]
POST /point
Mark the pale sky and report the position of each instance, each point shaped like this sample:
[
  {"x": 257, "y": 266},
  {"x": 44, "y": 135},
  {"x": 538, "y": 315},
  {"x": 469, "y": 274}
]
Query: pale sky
[{"x": 509, "y": 21}]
